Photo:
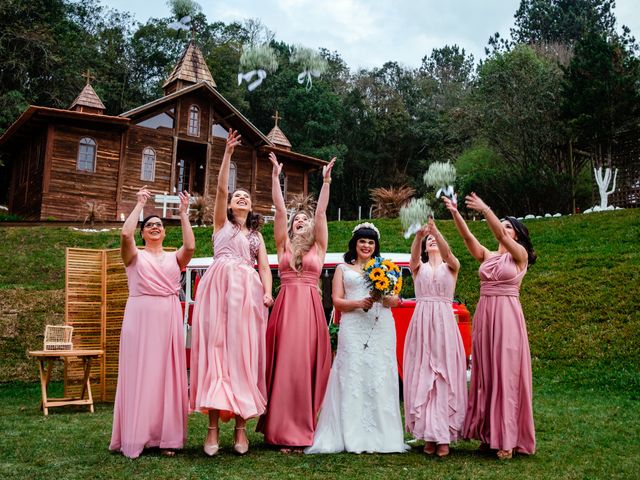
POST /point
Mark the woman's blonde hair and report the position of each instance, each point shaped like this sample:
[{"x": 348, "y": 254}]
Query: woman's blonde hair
[{"x": 301, "y": 243}]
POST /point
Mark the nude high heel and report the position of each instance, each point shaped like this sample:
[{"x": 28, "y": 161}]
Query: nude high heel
[
  {"x": 240, "y": 449},
  {"x": 211, "y": 449}
]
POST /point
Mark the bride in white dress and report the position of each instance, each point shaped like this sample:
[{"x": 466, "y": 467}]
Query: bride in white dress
[{"x": 361, "y": 409}]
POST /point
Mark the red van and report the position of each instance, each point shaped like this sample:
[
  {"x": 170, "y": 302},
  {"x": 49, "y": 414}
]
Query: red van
[{"x": 401, "y": 314}]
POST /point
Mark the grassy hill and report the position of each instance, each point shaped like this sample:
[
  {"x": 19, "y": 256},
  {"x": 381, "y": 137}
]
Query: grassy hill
[{"x": 581, "y": 299}]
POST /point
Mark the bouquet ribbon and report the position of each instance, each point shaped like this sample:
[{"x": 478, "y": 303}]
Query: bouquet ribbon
[
  {"x": 307, "y": 74},
  {"x": 447, "y": 192},
  {"x": 247, "y": 77},
  {"x": 413, "y": 228}
]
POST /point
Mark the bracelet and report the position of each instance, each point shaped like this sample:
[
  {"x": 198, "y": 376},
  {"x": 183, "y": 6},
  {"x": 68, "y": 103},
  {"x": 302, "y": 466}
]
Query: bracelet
[
  {"x": 484, "y": 212},
  {"x": 326, "y": 180}
]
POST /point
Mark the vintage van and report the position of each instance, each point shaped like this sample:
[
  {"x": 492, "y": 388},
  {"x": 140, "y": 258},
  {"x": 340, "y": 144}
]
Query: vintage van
[{"x": 401, "y": 314}]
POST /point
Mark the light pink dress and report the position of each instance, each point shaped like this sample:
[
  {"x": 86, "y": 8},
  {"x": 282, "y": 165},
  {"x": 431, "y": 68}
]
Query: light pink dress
[
  {"x": 298, "y": 355},
  {"x": 500, "y": 410},
  {"x": 229, "y": 327},
  {"x": 435, "y": 380},
  {"x": 151, "y": 397}
]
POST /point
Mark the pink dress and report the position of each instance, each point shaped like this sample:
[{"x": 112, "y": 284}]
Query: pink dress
[
  {"x": 500, "y": 410},
  {"x": 435, "y": 380},
  {"x": 298, "y": 355},
  {"x": 229, "y": 326},
  {"x": 151, "y": 397}
]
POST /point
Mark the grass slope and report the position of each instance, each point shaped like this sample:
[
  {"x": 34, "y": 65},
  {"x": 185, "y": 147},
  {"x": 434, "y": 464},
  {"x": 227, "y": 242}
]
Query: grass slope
[
  {"x": 581, "y": 302},
  {"x": 581, "y": 299}
]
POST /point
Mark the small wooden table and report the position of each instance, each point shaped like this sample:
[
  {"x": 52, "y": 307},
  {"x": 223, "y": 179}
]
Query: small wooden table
[{"x": 45, "y": 364}]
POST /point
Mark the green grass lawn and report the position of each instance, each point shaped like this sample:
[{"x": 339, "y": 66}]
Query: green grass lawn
[
  {"x": 582, "y": 305},
  {"x": 580, "y": 434}
]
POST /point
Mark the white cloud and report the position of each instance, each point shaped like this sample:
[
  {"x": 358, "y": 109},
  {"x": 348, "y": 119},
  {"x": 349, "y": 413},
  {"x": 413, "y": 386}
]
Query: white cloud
[{"x": 367, "y": 33}]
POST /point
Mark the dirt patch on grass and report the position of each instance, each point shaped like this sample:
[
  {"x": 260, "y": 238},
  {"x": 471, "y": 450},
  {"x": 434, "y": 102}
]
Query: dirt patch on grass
[{"x": 23, "y": 316}]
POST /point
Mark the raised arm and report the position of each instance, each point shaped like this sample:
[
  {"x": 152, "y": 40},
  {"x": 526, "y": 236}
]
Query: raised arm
[
  {"x": 475, "y": 248},
  {"x": 337, "y": 295},
  {"x": 264, "y": 270},
  {"x": 416, "y": 247},
  {"x": 185, "y": 252},
  {"x": 128, "y": 249},
  {"x": 280, "y": 218},
  {"x": 321, "y": 230},
  {"x": 445, "y": 252},
  {"x": 517, "y": 251},
  {"x": 220, "y": 207}
]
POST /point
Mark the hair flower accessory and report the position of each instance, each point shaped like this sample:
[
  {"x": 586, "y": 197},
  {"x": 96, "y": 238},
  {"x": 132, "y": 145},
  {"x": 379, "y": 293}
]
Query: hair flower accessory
[{"x": 366, "y": 225}]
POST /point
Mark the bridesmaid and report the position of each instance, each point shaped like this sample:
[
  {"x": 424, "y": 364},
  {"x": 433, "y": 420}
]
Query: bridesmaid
[
  {"x": 298, "y": 345},
  {"x": 500, "y": 409},
  {"x": 230, "y": 317},
  {"x": 151, "y": 397},
  {"x": 435, "y": 380}
]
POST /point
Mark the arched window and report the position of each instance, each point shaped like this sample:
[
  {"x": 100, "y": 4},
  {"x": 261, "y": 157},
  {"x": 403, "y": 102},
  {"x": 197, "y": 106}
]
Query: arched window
[
  {"x": 86, "y": 155},
  {"x": 148, "y": 170},
  {"x": 194, "y": 121},
  {"x": 283, "y": 184},
  {"x": 233, "y": 175}
]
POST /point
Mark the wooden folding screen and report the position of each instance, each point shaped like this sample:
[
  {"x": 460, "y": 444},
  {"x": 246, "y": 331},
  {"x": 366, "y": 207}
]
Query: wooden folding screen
[{"x": 95, "y": 297}]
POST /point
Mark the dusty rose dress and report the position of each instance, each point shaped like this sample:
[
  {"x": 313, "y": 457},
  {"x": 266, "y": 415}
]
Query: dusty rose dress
[
  {"x": 229, "y": 326},
  {"x": 151, "y": 397},
  {"x": 435, "y": 379},
  {"x": 500, "y": 410},
  {"x": 298, "y": 356}
]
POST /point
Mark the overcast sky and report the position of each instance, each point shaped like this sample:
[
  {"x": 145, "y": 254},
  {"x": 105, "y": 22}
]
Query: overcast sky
[{"x": 368, "y": 33}]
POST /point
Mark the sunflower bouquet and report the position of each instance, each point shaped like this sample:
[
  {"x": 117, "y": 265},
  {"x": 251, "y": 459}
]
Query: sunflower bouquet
[{"x": 383, "y": 277}]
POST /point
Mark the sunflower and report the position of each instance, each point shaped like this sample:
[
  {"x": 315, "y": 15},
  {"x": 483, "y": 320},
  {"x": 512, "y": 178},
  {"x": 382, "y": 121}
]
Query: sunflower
[
  {"x": 382, "y": 284},
  {"x": 389, "y": 264},
  {"x": 398, "y": 286},
  {"x": 376, "y": 274},
  {"x": 370, "y": 264}
]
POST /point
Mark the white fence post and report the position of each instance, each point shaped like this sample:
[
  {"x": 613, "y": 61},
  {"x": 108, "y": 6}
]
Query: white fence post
[
  {"x": 338, "y": 213},
  {"x": 359, "y": 213}
]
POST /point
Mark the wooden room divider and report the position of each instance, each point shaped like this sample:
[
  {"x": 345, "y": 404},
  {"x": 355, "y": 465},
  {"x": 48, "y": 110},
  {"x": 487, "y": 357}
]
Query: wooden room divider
[{"x": 95, "y": 296}]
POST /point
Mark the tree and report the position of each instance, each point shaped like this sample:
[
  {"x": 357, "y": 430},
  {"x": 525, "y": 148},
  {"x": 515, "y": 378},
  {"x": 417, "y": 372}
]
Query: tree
[
  {"x": 562, "y": 21},
  {"x": 517, "y": 105}
]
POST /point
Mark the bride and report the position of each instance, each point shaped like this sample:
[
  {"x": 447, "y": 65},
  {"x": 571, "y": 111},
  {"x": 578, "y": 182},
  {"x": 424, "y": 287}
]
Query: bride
[{"x": 361, "y": 409}]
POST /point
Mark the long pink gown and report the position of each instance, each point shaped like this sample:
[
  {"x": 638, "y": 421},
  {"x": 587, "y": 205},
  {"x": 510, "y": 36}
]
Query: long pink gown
[
  {"x": 500, "y": 410},
  {"x": 151, "y": 404},
  {"x": 298, "y": 355},
  {"x": 435, "y": 380},
  {"x": 228, "y": 330}
]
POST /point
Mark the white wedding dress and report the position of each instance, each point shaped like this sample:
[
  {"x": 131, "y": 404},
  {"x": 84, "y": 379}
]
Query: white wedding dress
[{"x": 361, "y": 409}]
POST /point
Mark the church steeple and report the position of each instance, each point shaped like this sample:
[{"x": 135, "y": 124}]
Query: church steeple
[
  {"x": 277, "y": 137},
  {"x": 190, "y": 69},
  {"x": 88, "y": 100}
]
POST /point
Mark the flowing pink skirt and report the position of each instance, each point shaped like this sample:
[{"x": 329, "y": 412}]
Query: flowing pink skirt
[
  {"x": 298, "y": 366},
  {"x": 228, "y": 341},
  {"x": 500, "y": 410},
  {"x": 435, "y": 380},
  {"x": 151, "y": 403}
]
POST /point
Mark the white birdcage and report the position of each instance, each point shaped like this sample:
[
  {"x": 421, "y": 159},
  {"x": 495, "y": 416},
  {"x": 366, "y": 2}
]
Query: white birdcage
[{"x": 58, "y": 337}]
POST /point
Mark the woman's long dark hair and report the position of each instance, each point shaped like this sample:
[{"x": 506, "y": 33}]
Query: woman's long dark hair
[
  {"x": 424, "y": 255},
  {"x": 254, "y": 220},
  {"x": 522, "y": 237},
  {"x": 351, "y": 255},
  {"x": 144, "y": 222}
]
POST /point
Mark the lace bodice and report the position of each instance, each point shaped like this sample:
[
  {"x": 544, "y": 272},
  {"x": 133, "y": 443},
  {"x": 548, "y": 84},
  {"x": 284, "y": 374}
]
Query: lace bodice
[
  {"x": 229, "y": 241},
  {"x": 355, "y": 286}
]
